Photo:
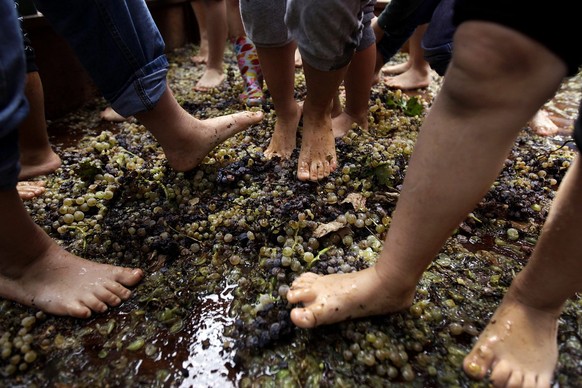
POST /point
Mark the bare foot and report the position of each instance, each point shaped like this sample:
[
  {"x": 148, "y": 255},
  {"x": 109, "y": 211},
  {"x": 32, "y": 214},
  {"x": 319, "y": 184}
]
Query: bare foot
[
  {"x": 190, "y": 151},
  {"x": 186, "y": 140},
  {"x": 211, "y": 79},
  {"x": 542, "y": 125},
  {"x": 202, "y": 55},
  {"x": 343, "y": 123},
  {"x": 36, "y": 271},
  {"x": 198, "y": 59},
  {"x": 298, "y": 60},
  {"x": 284, "y": 137},
  {"x": 109, "y": 114},
  {"x": 409, "y": 80},
  {"x": 518, "y": 347},
  {"x": 396, "y": 69},
  {"x": 30, "y": 189},
  {"x": 317, "y": 158},
  {"x": 60, "y": 283},
  {"x": 338, "y": 297},
  {"x": 33, "y": 164}
]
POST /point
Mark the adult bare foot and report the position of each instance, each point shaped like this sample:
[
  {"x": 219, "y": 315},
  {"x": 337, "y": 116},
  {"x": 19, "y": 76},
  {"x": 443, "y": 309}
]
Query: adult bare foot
[
  {"x": 109, "y": 114},
  {"x": 283, "y": 141},
  {"x": 30, "y": 189},
  {"x": 409, "y": 80},
  {"x": 518, "y": 347},
  {"x": 38, "y": 163},
  {"x": 317, "y": 158},
  {"x": 212, "y": 78},
  {"x": 542, "y": 125},
  {"x": 334, "y": 298},
  {"x": 36, "y": 271},
  {"x": 342, "y": 123}
]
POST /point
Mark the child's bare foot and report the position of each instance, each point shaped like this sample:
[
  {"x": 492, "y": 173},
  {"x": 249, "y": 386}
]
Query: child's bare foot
[
  {"x": 317, "y": 158},
  {"x": 334, "y": 298},
  {"x": 396, "y": 69},
  {"x": 33, "y": 164},
  {"x": 30, "y": 189},
  {"x": 60, "y": 283},
  {"x": 542, "y": 125},
  {"x": 518, "y": 347},
  {"x": 36, "y": 271},
  {"x": 212, "y": 78},
  {"x": 186, "y": 140},
  {"x": 189, "y": 151},
  {"x": 409, "y": 80},
  {"x": 343, "y": 123},
  {"x": 298, "y": 59},
  {"x": 198, "y": 59},
  {"x": 109, "y": 114},
  {"x": 284, "y": 137}
]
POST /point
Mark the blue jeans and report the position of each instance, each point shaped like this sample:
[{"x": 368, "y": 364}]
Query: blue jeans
[
  {"x": 13, "y": 105},
  {"x": 117, "y": 42}
]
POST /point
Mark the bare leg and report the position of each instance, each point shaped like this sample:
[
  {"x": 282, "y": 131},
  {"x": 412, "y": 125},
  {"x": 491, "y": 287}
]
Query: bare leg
[
  {"x": 317, "y": 158},
  {"x": 36, "y": 154},
  {"x": 279, "y": 72},
  {"x": 542, "y": 125},
  {"x": 417, "y": 76},
  {"x": 36, "y": 271},
  {"x": 358, "y": 84},
  {"x": 199, "y": 12},
  {"x": 398, "y": 68},
  {"x": 217, "y": 32},
  {"x": 469, "y": 116},
  {"x": 519, "y": 345},
  {"x": 187, "y": 140}
]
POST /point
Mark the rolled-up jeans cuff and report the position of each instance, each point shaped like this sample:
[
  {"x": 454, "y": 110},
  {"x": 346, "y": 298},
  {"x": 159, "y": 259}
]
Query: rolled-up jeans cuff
[{"x": 145, "y": 90}]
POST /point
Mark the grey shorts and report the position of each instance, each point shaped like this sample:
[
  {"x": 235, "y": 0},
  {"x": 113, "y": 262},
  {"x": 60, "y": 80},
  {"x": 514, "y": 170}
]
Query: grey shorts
[{"x": 327, "y": 32}]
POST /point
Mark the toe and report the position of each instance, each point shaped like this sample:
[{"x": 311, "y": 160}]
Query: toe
[
  {"x": 478, "y": 361},
  {"x": 303, "y": 318},
  {"x": 501, "y": 374},
  {"x": 515, "y": 380},
  {"x": 300, "y": 295}
]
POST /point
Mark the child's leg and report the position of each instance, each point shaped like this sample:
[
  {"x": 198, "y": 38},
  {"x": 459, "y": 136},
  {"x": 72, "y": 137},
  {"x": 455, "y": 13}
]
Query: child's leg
[
  {"x": 279, "y": 72},
  {"x": 417, "y": 75},
  {"x": 36, "y": 154},
  {"x": 246, "y": 56},
  {"x": 358, "y": 84},
  {"x": 217, "y": 31},
  {"x": 200, "y": 13},
  {"x": 519, "y": 345},
  {"x": 472, "y": 118},
  {"x": 317, "y": 158}
]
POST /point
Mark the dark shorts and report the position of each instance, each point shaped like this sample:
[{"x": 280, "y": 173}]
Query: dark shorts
[{"x": 553, "y": 25}]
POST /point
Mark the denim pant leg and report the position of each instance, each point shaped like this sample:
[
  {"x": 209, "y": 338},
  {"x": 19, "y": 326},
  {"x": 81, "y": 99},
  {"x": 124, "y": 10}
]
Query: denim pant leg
[
  {"x": 13, "y": 105},
  {"x": 118, "y": 43},
  {"x": 437, "y": 42}
]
